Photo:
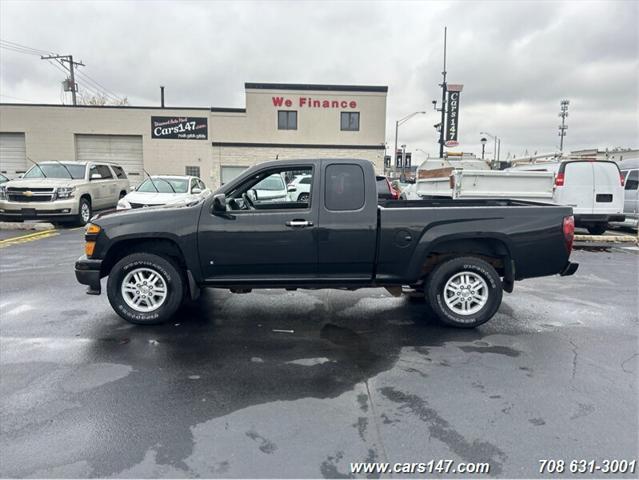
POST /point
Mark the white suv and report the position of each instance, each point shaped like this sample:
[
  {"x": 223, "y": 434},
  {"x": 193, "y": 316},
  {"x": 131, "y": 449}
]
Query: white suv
[{"x": 63, "y": 191}]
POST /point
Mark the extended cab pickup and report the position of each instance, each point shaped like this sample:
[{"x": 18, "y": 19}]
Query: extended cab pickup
[{"x": 457, "y": 254}]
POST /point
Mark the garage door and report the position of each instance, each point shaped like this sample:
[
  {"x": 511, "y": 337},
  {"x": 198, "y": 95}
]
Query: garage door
[
  {"x": 13, "y": 156},
  {"x": 229, "y": 173},
  {"x": 125, "y": 150}
]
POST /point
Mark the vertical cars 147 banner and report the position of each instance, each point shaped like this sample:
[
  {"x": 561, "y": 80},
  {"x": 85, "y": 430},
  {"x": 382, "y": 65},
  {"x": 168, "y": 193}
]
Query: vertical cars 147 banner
[
  {"x": 452, "y": 119},
  {"x": 182, "y": 128}
]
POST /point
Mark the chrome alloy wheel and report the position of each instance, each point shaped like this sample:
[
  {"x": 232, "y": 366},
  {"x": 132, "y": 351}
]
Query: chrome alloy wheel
[
  {"x": 85, "y": 212},
  {"x": 466, "y": 293},
  {"x": 144, "y": 289}
]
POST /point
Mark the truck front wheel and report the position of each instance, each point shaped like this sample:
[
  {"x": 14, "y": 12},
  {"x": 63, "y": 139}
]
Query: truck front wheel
[
  {"x": 464, "y": 292},
  {"x": 145, "y": 288}
]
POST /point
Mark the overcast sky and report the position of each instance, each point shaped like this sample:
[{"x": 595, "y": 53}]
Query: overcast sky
[{"x": 517, "y": 60}]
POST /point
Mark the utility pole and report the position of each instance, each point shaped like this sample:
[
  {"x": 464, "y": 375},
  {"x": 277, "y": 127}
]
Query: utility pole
[
  {"x": 563, "y": 105},
  {"x": 68, "y": 59},
  {"x": 442, "y": 129}
]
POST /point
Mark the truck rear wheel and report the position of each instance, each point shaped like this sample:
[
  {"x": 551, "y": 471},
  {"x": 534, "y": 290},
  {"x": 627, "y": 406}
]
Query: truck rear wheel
[
  {"x": 464, "y": 292},
  {"x": 145, "y": 288}
]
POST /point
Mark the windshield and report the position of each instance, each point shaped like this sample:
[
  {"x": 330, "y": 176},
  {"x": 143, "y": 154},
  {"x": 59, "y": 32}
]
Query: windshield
[
  {"x": 56, "y": 170},
  {"x": 274, "y": 182},
  {"x": 180, "y": 185}
]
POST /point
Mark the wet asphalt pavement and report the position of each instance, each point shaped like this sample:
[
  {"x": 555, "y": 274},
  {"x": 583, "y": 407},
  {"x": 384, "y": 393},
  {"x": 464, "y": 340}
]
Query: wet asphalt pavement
[{"x": 362, "y": 376}]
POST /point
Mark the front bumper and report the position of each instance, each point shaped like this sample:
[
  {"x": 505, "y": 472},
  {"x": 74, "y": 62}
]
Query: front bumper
[
  {"x": 87, "y": 272},
  {"x": 29, "y": 210},
  {"x": 569, "y": 269}
]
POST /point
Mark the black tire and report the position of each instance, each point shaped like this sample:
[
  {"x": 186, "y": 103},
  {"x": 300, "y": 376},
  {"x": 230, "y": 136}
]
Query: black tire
[
  {"x": 476, "y": 268},
  {"x": 598, "y": 229},
  {"x": 161, "y": 266},
  {"x": 83, "y": 218},
  {"x": 303, "y": 197}
]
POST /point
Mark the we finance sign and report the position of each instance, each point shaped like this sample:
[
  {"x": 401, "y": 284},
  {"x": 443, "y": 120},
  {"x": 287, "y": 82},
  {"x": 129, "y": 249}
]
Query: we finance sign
[{"x": 312, "y": 102}]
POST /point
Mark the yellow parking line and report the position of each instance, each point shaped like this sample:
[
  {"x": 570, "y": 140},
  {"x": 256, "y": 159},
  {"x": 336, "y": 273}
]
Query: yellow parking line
[{"x": 28, "y": 238}]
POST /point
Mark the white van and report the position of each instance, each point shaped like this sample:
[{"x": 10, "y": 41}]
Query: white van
[
  {"x": 593, "y": 188},
  {"x": 630, "y": 172}
]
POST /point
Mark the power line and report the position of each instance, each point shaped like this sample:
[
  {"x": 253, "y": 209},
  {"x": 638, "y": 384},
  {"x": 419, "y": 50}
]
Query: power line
[
  {"x": 24, "y": 47},
  {"x": 90, "y": 84}
]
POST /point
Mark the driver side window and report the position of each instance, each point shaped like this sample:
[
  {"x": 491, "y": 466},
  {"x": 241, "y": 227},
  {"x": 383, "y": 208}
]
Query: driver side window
[{"x": 274, "y": 189}]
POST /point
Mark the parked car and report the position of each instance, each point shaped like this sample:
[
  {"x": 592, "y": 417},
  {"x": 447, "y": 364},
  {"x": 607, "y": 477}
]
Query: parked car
[
  {"x": 164, "y": 190},
  {"x": 3, "y": 178},
  {"x": 63, "y": 191},
  {"x": 385, "y": 190},
  {"x": 270, "y": 189},
  {"x": 594, "y": 190},
  {"x": 630, "y": 172},
  {"x": 300, "y": 188},
  {"x": 460, "y": 254}
]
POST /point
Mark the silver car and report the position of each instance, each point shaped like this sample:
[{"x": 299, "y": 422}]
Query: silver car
[{"x": 63, "y": 191}]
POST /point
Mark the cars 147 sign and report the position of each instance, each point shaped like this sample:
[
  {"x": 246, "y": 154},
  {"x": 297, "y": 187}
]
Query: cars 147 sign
[{"x": 182, "y": 128}]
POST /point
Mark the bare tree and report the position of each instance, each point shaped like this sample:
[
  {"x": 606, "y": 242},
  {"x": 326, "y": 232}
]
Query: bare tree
[{"x": 100, "y": 99}]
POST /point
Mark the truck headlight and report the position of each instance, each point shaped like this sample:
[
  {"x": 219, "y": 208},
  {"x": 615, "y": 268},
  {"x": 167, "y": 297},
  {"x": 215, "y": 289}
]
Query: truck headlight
[
  {"x": 3, "y": 192},
  {"x": 123, "y": 205},
  {"x": 65, "y": 192}
]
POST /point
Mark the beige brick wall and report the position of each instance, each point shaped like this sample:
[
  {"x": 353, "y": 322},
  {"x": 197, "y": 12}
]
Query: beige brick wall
[
  {"x": 248, "y": 156},
  {"x": 50, "y": 131}
]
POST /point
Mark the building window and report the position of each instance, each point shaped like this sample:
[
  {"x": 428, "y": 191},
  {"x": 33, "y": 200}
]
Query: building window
[
  {"x": 350, "y": 121},
  {"x": 192, "y": 171},
  {"x": 287, "y": 120}
]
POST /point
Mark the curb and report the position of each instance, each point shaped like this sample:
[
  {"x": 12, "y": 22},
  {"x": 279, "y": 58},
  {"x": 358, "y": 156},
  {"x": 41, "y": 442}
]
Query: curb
[
  {"x": 606, "y": 238},
  {"x": 26, "y": 226}
]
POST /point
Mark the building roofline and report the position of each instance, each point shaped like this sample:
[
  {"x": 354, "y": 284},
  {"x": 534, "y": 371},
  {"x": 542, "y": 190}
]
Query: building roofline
[
  {"x": 133, "y": 107},
  {"x": 315, "y": 86},
  {"x": 380, "y": 146}
]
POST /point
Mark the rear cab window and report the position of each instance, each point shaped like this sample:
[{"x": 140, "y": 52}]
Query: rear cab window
[{"x": 344, "y": 187}]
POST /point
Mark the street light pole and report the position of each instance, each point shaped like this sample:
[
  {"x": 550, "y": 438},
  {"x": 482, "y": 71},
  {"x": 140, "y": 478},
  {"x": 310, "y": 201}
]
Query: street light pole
[
  {"x": 397, "y": 124},
  {"x": 497, "y": 147}
]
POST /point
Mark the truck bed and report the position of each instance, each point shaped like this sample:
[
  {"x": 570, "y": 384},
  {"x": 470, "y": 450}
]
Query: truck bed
[
  {"x": 528, "y": 232},
  {"x": 456, "y": 203}
]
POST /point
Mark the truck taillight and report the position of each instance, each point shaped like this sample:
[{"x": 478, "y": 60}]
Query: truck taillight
[
  {"x": 569, "y": 232},
  {"x": 622, "y": 179},
  {"x": 559, "y": 179}
]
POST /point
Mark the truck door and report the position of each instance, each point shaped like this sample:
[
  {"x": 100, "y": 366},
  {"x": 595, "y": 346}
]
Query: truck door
[
  {"x": 347, "y": 221},
  {"x": 273, "y": 239}
]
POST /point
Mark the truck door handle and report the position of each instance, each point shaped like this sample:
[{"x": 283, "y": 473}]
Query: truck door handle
[{"x": 299, "y": 223}]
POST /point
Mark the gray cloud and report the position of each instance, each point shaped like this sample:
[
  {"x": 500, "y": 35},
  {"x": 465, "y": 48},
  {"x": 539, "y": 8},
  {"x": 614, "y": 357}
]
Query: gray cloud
[{"x": 516, "y": 59}]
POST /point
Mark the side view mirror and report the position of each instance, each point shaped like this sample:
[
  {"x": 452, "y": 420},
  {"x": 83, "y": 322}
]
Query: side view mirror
[
  {"x": 219, "y": 203},
  {"x": 96, "y": 176},
  {"x": 252, "y": 195},
  {"x": 196, "y": 191}
]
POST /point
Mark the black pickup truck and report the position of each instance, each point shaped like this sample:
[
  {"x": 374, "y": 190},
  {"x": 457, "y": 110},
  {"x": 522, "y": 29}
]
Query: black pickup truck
[{"x": 459, "y": 255}]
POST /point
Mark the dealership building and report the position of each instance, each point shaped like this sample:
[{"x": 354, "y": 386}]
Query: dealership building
[{"x": 279, "y": 121}]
